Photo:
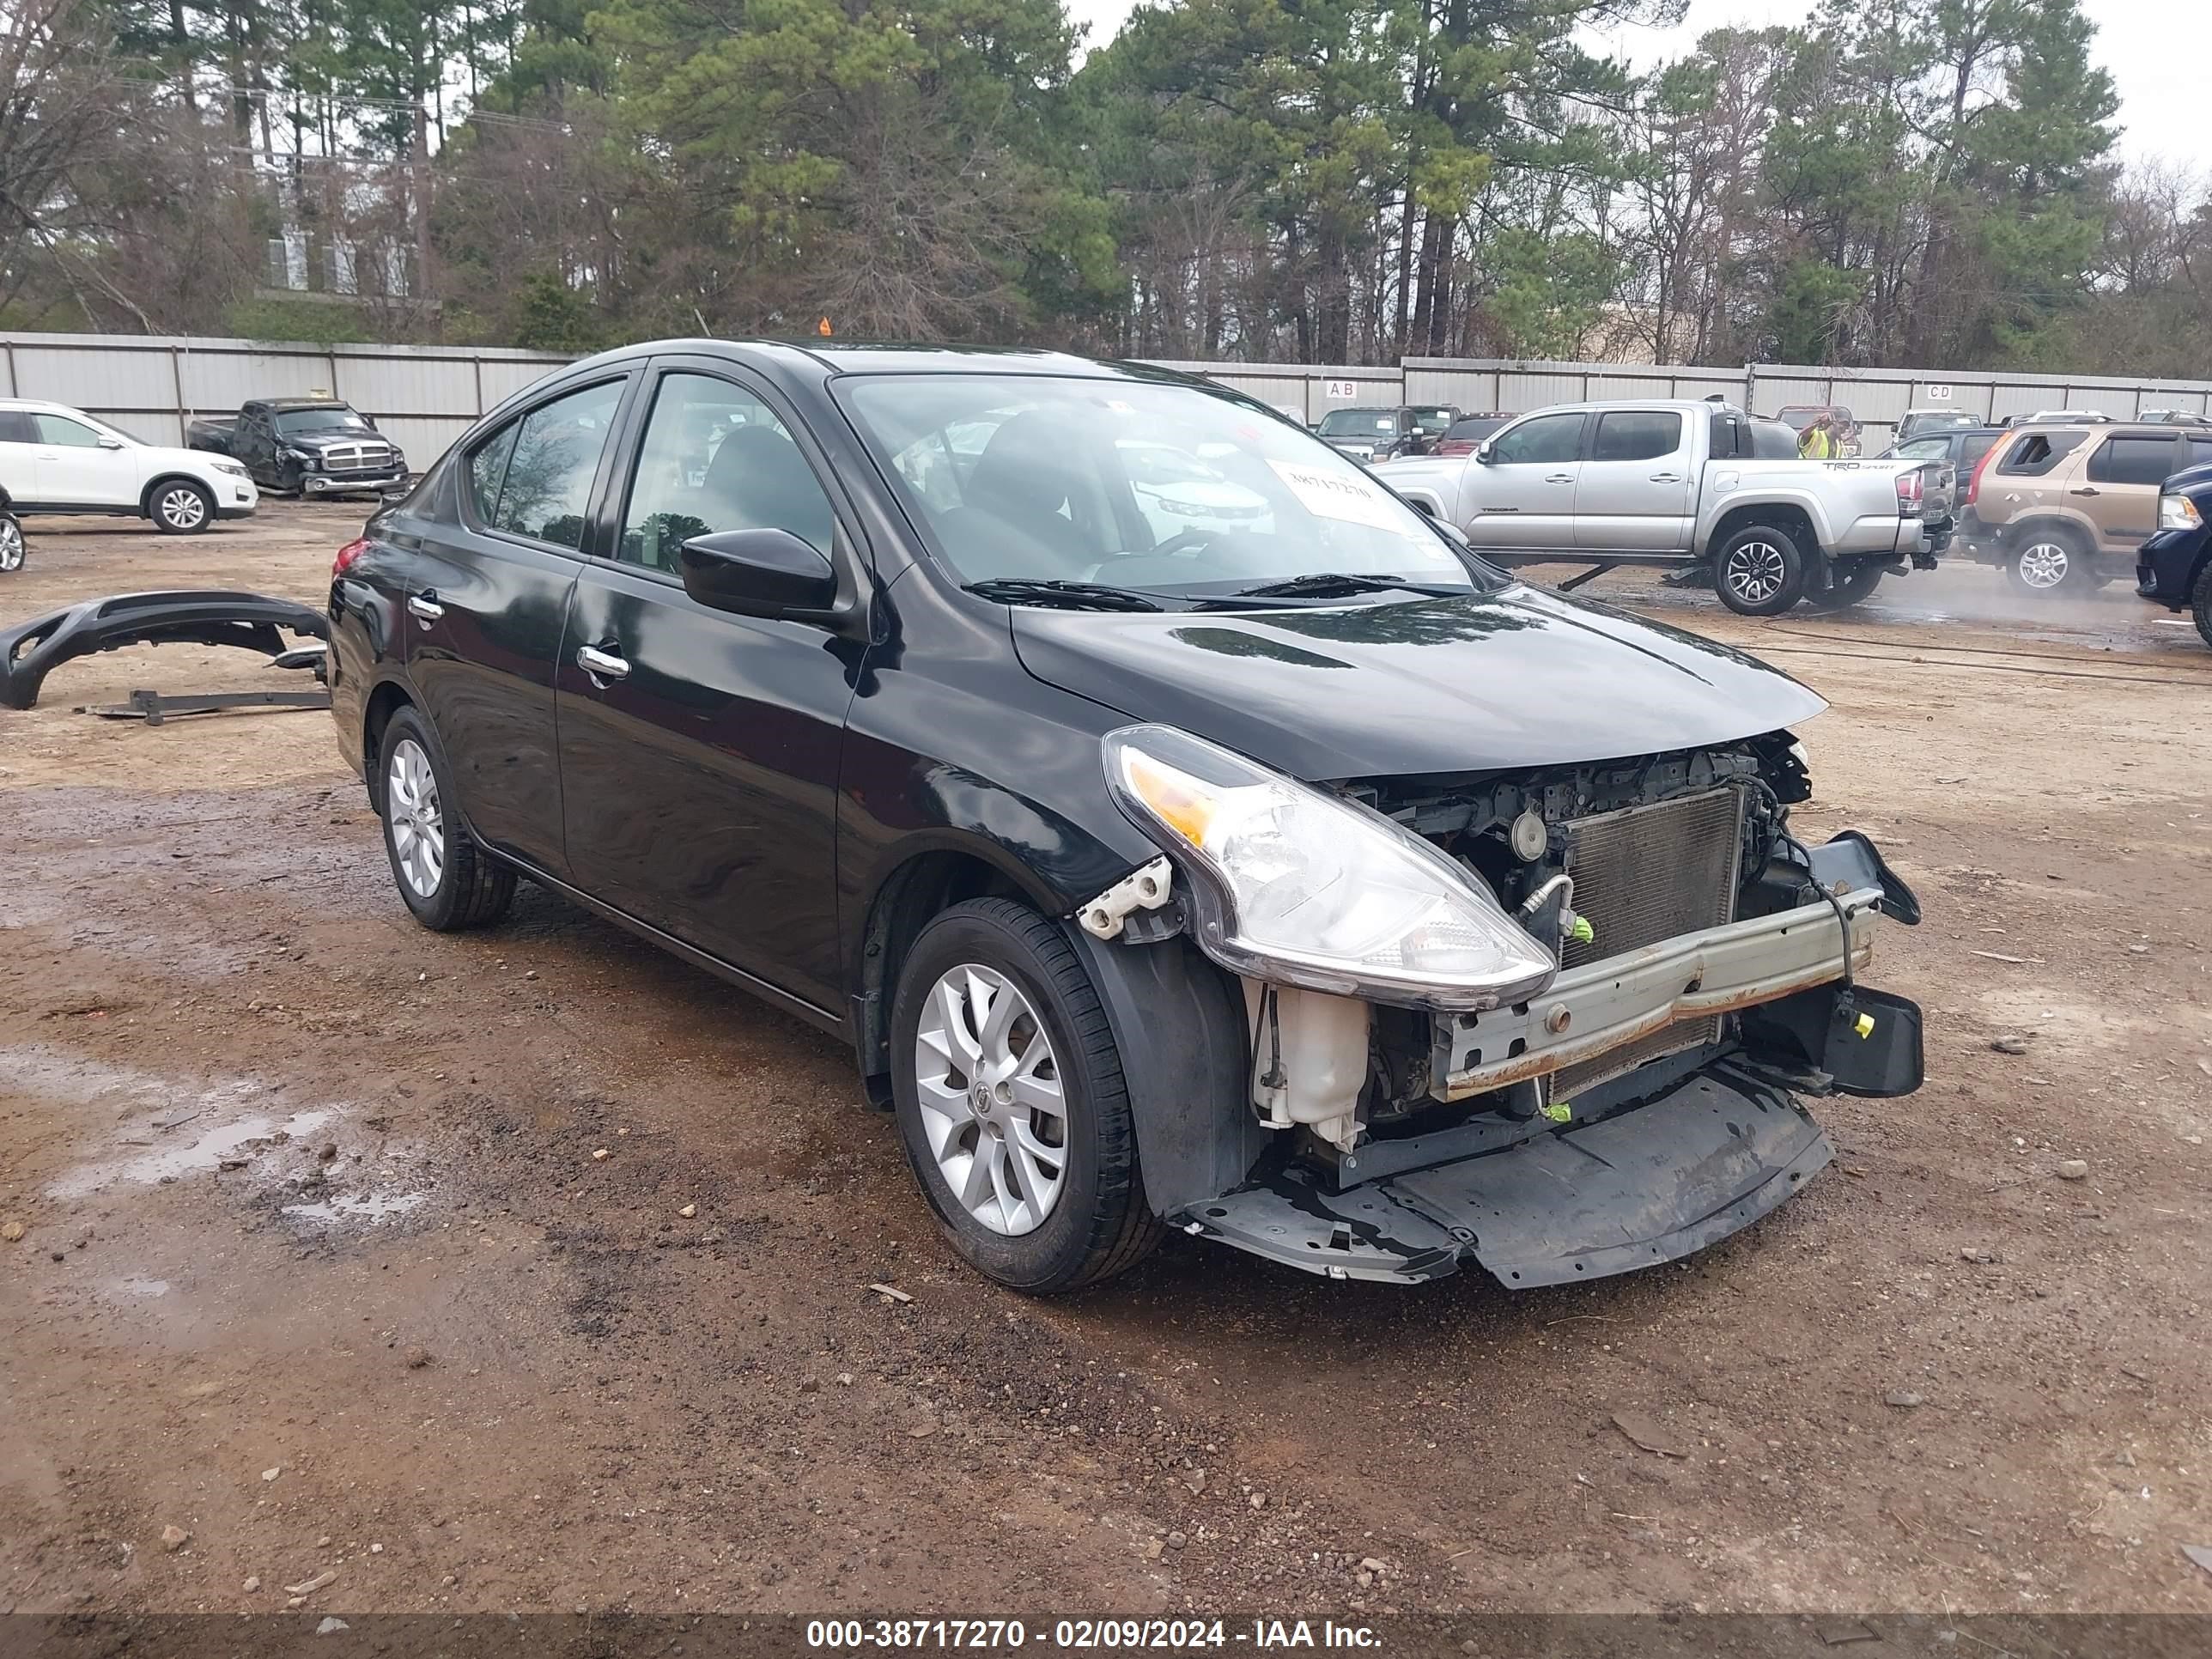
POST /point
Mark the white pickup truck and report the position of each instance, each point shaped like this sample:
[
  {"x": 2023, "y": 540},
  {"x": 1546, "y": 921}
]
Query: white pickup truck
[{"x": 1698, "y": 486}]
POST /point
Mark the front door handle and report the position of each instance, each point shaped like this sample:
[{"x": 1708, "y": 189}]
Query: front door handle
[
  {"x": 425, "y": 608},
  {"x": 1559, "y": 477},
  {"x": 601, "y": 664},
  {"x": 1666, "y": 478}
]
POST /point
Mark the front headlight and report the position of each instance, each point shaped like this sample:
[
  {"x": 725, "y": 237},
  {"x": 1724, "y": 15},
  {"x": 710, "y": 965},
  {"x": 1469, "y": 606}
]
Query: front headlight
[
  {"x": 305, "y": 456},
  {"x": 232, "y": 467},
  {"x": 1287, "y": 883},
  {"x": 2178, "y": 512}
]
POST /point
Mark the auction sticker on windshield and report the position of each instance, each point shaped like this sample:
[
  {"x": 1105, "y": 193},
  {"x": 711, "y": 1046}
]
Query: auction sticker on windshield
[{"x": 1327, "y": 494}]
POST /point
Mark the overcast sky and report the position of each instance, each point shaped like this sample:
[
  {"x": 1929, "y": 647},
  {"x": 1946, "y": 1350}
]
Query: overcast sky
[{"x": 2155, "y": 50}]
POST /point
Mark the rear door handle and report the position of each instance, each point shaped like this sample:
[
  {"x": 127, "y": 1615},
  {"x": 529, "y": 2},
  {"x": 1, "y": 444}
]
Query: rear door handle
[
  {"x": 601, "y": 664},
  {"x": 2087, "y": 489},
  {"x": 425, "y": 608}
]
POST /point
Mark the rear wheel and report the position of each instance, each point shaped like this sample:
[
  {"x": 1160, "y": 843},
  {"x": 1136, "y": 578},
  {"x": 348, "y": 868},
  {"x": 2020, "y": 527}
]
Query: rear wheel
[
  {"x": 2048, "y": 561},
  {"x": 1760, "y": 571},
  {"x": 2200, "y": 603},
  {"x": 181, "y": 507},
  {"x": 11, "y": 543},
  {"x": 448, "y": 880},
  {"x": 1011, "y": 1104},
  {"x": 1847, "y": 585}
]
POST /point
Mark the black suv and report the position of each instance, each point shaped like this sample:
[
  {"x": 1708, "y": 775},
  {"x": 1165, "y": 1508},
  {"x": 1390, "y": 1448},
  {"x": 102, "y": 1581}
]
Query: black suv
[{"x": 1183, "y": 831}]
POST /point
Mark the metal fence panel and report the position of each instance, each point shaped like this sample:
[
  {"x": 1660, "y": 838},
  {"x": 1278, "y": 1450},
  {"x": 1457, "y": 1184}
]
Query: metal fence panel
[
  {"x": 407, "y": 386},
  {"x": 89, "y": 378},
  {"x": 219, "y": 382}
]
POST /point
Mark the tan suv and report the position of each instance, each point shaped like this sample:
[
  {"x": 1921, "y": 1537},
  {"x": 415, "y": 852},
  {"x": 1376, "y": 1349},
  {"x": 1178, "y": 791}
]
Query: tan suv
[{"x": 2063, "y": 506}]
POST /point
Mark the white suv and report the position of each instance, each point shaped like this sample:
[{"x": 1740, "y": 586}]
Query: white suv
[{"x": 54, "y": 458}]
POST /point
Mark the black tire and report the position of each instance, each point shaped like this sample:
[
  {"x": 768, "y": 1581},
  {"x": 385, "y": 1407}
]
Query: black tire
[
  {"x": 2200, "y": 603},
  {"x": 1760, "y": 571},
  {"x": 2043, "y": 564},
  {"x": 471, "y": 889},
  {"x": 11, "y": 543},
  {"x": 178, "y": 507},
  {"x": 1100, "y": 1224},
  {"x": 1848, "y": 584}
]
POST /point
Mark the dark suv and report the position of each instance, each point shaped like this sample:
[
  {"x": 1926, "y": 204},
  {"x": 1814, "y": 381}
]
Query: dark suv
[
  {"x": 1182, "y": 831},
  {"x": 2174, "y": 566}
]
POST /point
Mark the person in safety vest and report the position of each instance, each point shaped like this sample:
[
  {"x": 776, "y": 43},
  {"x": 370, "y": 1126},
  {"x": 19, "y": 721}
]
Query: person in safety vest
[{"x": 1818, "y": 444}]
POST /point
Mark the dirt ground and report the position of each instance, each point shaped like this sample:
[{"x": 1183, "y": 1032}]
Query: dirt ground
[{"x": 320, "y": 1267}]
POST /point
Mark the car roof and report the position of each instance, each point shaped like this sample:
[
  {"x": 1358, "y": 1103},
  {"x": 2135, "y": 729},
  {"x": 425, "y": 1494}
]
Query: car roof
[
  {"x": 39, "y": 403},
  {"x": 2119, "y": 429},
  {"x": 302, "y": 403}
]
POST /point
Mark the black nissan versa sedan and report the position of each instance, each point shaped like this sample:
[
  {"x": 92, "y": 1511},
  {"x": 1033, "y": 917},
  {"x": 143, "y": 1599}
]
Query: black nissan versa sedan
[{"x": 1184, "y": 832}]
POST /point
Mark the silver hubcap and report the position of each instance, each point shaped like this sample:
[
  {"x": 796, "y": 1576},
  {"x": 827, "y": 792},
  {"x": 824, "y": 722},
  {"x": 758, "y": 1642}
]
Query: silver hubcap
[
  {"x": 418, "y": 827},
  {"x": 992, "y": 1111},
  {"x": 2043, "y": 565},
  {"x": 1755, "y": 572},
  {"x": 183, "y": 508},
  {"x": 11, "y": 544}
]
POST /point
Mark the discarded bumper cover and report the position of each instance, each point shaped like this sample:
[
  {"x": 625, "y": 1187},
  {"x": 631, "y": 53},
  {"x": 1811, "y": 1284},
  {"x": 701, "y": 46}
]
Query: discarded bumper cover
[{"x": 253, "y": 621}]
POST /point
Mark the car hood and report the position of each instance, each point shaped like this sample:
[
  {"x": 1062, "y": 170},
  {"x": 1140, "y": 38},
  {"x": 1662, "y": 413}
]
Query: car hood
[
  {"x": 1492, "y": 682},
  {"x": 334, "y": 439}
]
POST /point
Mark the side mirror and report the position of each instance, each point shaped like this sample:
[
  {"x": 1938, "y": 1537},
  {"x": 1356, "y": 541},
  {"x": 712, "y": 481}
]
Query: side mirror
[
  {"x": 758, "y": 573},
  {"x": 1486, "y": 453}
]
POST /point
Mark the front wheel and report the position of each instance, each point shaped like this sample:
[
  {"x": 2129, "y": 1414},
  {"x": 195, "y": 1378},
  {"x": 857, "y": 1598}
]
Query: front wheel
[
  {"x": 180, "y": 508},
  {"x": 2049, "y": 562},
  {"x": 1847, "y": 586},
  {"x": 1760, "y": 571},
  {"x": 1011, "y": 1104},
  {"x": 448, "y": 880},
  {"x": 2200, "y": 603},
  {"x": 11, "y": 543}
]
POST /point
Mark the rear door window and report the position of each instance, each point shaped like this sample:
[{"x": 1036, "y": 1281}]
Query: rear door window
[
  {"x": 1974, "y": 446},
  {"x": 2037, "y": 452},
  {"x": 556, "y": 457},
  {"x": 2135, "y": 461},
  {"x": 1548, "y": 438},
  {"x": 1637, "y": 435},
  {"x": 2200, "y": 451}
]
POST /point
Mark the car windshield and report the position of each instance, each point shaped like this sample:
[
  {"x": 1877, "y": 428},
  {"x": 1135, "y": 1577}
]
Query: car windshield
[
  {"x": 1433, "y": 420},
  {"x": 1358, "y": 424},
  {"x": 297, "y": 422},
  {"x": 1165, "y": 487}
]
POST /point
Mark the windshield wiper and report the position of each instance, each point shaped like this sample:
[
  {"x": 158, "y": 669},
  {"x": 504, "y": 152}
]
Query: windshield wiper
[
  {"x": 1073, "y": 596},
  {"x": 1333, "y": 584}
]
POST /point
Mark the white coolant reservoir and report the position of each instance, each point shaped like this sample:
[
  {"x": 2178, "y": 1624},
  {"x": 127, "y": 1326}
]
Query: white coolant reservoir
[{"x": 1309, "y": 1059}]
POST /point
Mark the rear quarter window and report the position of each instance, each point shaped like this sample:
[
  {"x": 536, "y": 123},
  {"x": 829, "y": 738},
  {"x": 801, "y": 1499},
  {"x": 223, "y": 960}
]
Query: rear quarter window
[{"x": 2035, "y": 454}]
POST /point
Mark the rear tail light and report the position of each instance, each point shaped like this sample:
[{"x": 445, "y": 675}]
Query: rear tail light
[
  {"x": 348, "y": 555},
  {"x": 1974, "y": 484},
  {"x": 1911, "y": 490}
]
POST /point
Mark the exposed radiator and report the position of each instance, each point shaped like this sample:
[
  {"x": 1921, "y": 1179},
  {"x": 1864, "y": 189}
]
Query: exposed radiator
[{"x": 1641, "y": 875}]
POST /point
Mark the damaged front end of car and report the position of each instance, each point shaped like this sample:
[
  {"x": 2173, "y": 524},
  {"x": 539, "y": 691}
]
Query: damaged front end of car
[{"x": 1557, "y": 1022}]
